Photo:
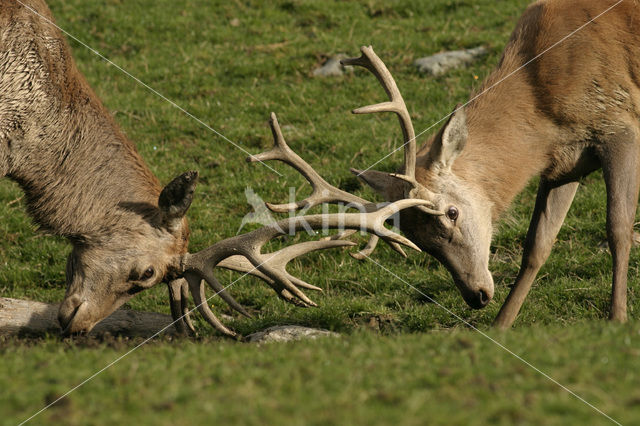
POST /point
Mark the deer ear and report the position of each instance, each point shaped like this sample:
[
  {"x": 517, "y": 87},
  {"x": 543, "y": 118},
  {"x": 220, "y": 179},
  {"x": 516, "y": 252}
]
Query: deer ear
[
  {"x": 451, "y": 140},
  {"x": 383, "y": 183},
  {"x": 176, "y": 197}
]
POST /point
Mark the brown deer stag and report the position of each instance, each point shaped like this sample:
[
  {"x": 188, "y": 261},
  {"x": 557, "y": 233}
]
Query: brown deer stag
[
  {"x": 84, "y": 180},
  {"x": 563, "y": 101}
]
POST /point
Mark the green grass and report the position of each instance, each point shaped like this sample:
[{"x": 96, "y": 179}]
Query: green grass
[
  {"x": 429, "y": 378},
  {"x": 400, "y": 359}
]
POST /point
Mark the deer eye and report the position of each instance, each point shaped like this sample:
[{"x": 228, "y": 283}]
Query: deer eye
[
  {"x": 452, "y": 213},
  {"x": 148, "y": 273}
]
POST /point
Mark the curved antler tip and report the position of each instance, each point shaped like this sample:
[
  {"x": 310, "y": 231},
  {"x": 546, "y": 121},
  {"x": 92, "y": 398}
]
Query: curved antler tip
[
  {"x": 273, "y": 116},
  {"x": 280, "y": 208},
  {"x": 358, "y": 256}
]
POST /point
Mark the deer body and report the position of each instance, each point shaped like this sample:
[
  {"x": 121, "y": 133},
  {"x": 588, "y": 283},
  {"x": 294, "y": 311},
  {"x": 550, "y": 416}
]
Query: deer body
[
  {"x": 560, "y": 116},
  {"x": 587, "y": 95},
  {"x": 82, "y": 178}
]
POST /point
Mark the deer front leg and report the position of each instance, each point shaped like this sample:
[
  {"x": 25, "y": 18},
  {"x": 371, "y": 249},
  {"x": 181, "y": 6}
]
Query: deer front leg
[
  {"x": 620, "y": 163},
  {"x": 552, "y": 205}
]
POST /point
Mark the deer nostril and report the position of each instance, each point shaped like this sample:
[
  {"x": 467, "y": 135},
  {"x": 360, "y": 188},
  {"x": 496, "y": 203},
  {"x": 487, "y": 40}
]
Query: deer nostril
[{"x": 483, "y": 298}]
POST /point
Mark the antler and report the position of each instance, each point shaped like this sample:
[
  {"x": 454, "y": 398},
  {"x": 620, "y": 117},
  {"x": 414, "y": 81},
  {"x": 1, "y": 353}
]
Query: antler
[
  {"x": 323, "y": 192},
  {"x": 373, "y": 63},
  {"x": 243, "y": 253},
  {"x": 179, "y": 302}
]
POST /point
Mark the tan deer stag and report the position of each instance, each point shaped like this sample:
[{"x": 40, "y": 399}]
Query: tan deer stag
[
  {"x": 563, "y": 101},
  {"x": 84, "y": 180}
]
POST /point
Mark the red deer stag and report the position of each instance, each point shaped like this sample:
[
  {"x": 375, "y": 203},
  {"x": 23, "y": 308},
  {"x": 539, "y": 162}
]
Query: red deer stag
[
  {"x": 563, "y": 101},
  {"x": 84, "y": 180}
]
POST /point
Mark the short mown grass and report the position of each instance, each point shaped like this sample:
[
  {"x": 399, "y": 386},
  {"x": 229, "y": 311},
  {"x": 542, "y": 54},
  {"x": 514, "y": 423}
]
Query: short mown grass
[{"x": 401, "y": 358}]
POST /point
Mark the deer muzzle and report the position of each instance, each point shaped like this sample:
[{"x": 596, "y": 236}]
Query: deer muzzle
[
  {"x": 73, "y": 317},
  {"x": 476, "y": 292}
]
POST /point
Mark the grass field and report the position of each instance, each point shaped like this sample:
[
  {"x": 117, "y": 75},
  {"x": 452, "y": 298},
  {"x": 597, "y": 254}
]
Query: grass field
[{"x": 400, "y": 359}]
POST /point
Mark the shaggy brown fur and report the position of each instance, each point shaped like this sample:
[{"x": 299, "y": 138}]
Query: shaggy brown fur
[{"x": 83, "y": 179}]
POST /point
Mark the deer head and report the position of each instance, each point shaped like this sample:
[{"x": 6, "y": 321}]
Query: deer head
[
  {"x": 456, "y": 227},
  {"x": 105, "y": 272}
]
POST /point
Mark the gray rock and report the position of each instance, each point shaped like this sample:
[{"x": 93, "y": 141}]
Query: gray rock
[
  {"x": 286, "y": 333},
  {"x": 331, "y": 67},
  {"x": 440, "y": 63}
]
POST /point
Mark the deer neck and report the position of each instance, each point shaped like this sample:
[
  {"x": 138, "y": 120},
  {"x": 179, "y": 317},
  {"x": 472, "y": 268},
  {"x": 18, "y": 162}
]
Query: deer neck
[
  {"x": 81, "y": 176},
  {"x": 508, "y": 145}
]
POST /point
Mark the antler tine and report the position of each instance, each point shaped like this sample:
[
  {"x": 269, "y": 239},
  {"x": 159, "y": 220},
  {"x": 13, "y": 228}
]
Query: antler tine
[
  {"x": 322, "y": 192},
  {"x": 373, "y": 63},
  {"x": 240, "y": 264},
  {"x": 186, "y": 312},
  {"x": 279, "y": 279},
  {"x": 206, "y": 274},
  {"x": 197, "y": 291},
  {"x": 281, "y": 258},
  {"x": 370, "y": 247},
  {"x": 178, "y": 300}
]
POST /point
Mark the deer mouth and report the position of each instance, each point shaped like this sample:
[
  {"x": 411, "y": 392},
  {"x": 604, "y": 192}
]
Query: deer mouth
[
  {"x": 476, "y": 296},
  {"x": 72, "y": 323}
]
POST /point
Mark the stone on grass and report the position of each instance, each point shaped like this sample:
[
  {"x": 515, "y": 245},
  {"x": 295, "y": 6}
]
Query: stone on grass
[
  {"x": 332, "y": 67},
  {"x": 440, "y": 63},
  {"x": 286, "y": 333}
]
